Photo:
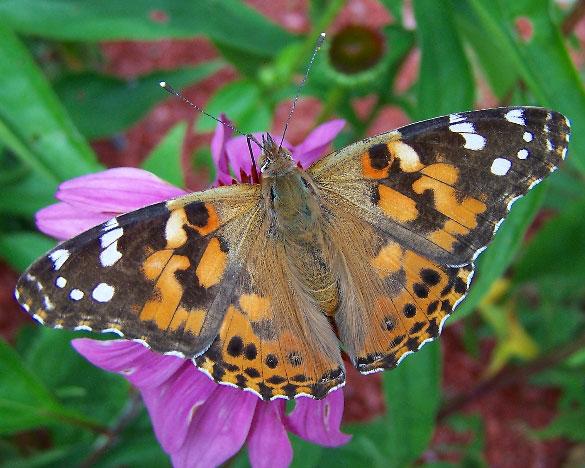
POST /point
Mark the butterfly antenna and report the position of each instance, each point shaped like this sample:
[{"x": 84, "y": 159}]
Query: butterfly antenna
[
  {"x": 169, "y": 89},
  {"x": 318, "y": 45}
]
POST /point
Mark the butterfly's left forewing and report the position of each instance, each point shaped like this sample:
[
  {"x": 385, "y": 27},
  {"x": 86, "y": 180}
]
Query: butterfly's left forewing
[
  {"x": 155, "y": 274},
  {"x": 427, "y": 199}
]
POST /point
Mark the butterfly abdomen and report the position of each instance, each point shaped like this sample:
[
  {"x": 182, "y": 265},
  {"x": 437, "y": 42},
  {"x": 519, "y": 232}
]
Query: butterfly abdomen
[{"x": 297, "y": 223}]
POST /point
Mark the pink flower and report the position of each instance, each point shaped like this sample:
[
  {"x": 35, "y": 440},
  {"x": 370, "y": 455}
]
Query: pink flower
[{"x": 197, "y": 421}]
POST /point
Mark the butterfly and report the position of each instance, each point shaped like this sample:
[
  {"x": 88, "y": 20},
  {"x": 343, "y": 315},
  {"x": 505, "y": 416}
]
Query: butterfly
[{"x": 369, "y": 250}]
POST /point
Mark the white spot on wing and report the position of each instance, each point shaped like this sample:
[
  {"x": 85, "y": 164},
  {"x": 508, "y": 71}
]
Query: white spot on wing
[
  {"x": 527, "y": 137},
  {"x": 500, "y": 166},
  {"x": 463, "y": 127},
  {"x": 110, "y": 255},
  {"x": 111, "y": 236},
  {"x": 48, "y": 304},
  {"x": 515, "y": 116},
  {"x": 16, "y": 294},
  {"x": 113, "y": 330},
  {"x": 76, "y": 294},
  {"x": 109, "y": 241},
  {"x": 473, "y": 141},
  {"x": 103, "y": 292},
  {"x": 454, "y": 118},
  {"x": 59, "y": 257},
  {"x": 112, "y": 223},
  {"x": 523, "y": 154},
  {"x": 60, "y": 282},
  {"x": 549, "y": 145}
]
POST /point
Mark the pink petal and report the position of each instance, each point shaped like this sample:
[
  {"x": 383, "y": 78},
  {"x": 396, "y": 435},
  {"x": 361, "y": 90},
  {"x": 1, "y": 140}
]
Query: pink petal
[
  {"x": 218, "y": 429},
  {"x": 140, "y": 366},
  {"x": 173, "y": 404},
  {"x": 63, "y": 221},
  {"x": 221, "y": 136},
  {"x": 318, "y": 420},
  {"x": 239, "y": 154},
  {"x": 317, "y": 141},
  {"x": 268, "y": 444},
  {"x": 116, "y": 191}
]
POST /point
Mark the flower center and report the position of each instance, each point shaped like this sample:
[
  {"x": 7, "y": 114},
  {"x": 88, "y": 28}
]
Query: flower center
[{"x": 355, "y": 49}]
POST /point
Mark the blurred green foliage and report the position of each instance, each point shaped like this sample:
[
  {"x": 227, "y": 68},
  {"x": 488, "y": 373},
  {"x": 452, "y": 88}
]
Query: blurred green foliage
[{"x": 44, "y": 125}]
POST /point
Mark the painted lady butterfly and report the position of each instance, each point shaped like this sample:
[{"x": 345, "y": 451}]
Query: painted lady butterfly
[{"x": 371, "y": 247}]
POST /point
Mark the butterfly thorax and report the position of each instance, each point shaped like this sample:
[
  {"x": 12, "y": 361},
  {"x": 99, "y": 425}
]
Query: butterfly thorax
[{"x": 296, "y": 222}]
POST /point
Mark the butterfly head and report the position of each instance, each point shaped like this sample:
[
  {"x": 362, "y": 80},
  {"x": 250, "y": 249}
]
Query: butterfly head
[{"x": 275, "y": 160}]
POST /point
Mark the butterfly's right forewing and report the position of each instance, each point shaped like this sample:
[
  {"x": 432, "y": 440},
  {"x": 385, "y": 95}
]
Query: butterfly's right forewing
[{"x": 427, "y": 199}]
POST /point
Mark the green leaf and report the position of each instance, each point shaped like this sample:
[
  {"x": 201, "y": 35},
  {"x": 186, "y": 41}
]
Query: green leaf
[
  {"x": 568, "y": 425},
  {"x": 103, "y": 105},
  {"x": 33, "y": 124},
  {"x": 445, "y": 83},
  {"x": 165, "y": 159},
  {"x": 78, "y": 385},
  {"x": 542, "y": 61},
  {"x": 305, "y": 454},
  {"x": 20, "y": 249},
  {"x": 395, "y": 7},
  {"x": 493, "y": 262},
  {"x": 558, "y": 239},
  {"x": 412, "y": 393},
  {"x": 137, "y": 446},
  {"x": 243, "y": 102},
  {"x": 496, "y": 54},
  {"x": 51, "y": 457},
  {"x": 230, "y": 22},
  {"x": 26, "y": 194},
  {"x": 25, "y": 402},
  {"x": 368, "y": 446}
]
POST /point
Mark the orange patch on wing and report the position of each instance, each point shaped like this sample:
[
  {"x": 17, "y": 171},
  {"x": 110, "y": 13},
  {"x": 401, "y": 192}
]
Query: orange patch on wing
[
  {"x": 371, "y": 172},
  {"x": 255, "y": 307},
  {"x": 212, "y": 221},
  {"x": 388, "y": 260},
  {"x": 396, "y": 205},
  {"x": 155, "y": 263},
  {"x": 441, "y": 171},
  {"x": 195, "y": 321},
  {"x": 212, "y": 264},
  {"x": 179, "y": 319},
  {"x": 162, "y": 307},
  {"x": 465, "y": 213},
  {"x": 445, "y": 237}
]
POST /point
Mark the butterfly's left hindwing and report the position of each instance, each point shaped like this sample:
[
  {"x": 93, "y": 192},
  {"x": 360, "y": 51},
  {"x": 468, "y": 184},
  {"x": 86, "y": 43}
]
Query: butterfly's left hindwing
[{"x": 426, "y": 200}]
